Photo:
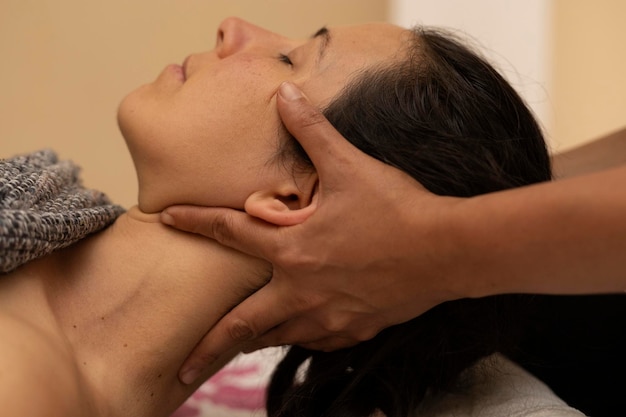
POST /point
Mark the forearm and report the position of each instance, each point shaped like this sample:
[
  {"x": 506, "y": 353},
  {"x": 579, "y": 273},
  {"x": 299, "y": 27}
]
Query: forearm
[{"x": 563, "y": 237}]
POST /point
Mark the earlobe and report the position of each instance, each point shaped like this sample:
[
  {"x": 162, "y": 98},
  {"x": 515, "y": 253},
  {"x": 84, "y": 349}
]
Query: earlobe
[{"x": 281, "y": 208}]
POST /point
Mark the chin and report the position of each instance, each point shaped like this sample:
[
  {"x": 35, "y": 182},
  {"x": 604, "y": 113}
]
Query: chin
[
  {"x": 126, "y": 123},
  {"x": 157, "y": 196},
  {"x": 149, "y": 202},
  {"x": 133, "y": 118},
  {"x": 150, "y": 207}
]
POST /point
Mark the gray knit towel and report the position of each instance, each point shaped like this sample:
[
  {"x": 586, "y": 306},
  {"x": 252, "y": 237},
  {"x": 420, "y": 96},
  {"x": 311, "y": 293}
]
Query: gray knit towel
[{"x": 44, "y": 207}]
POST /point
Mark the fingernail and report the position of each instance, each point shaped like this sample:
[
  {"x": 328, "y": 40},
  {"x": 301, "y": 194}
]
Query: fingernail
[
  {"x": 289, "y": 91},
  {"x": 167, "y": 218},
  {"x": 189, "y": 376}
]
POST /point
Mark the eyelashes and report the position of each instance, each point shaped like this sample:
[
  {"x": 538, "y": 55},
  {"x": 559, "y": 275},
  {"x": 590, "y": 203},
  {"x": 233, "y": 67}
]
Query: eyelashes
[{"x": 284, "y": 59}]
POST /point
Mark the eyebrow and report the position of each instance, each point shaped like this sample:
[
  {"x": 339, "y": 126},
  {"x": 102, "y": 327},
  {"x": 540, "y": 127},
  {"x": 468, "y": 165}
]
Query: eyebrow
[{"x": 323, "y": 34}]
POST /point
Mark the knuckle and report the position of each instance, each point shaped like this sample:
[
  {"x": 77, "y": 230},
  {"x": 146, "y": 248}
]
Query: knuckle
[
  {"x": 336, "y": 324},
  {"x": 311, "y": 117},
  {"x": 365, "y": 334},
  {"x": 240, "y": 330},
  {"x": 206, "y": 358},
  {"x": 221, "y": 228},
  {"x": 346, "y": 327},
  {"x": 293, "y": 257}
]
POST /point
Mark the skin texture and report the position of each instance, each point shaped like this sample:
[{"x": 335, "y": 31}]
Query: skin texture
[
  {"x": 314, "y": 302},
  {"x": 606, "y": 152},
  {"x": 111, "y": 318},
  {"x": 93, "y": 306},
  {"x": 215, "y": 118},
  {"x": 547, "y": 238}
]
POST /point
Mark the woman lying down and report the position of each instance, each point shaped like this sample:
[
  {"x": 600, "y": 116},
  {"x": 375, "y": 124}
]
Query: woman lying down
[{"x": 99, "y": 307}]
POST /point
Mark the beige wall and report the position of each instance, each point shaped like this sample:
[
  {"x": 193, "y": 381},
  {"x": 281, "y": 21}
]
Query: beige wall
[
  {"x": 567, "y": 57},
  {"x": 66, "y": 65},
  {"x": 513, "y": 35},
  {"x": 589, "y": 75}
]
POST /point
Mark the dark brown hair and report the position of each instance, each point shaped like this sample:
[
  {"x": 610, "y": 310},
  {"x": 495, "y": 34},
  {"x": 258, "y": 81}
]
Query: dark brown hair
[{"x": 451, "y": 121}]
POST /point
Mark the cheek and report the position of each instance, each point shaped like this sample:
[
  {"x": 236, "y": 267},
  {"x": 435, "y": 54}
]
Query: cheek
[
  {"x": 207, "y": 143},
  {"x": 216, "y": 167}
]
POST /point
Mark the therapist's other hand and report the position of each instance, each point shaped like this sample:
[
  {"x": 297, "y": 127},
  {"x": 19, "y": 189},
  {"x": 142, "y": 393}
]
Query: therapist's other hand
[{"x": 343, "y": 274}]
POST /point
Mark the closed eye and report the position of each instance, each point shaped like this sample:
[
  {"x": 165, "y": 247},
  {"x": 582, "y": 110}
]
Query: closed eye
[{"x": 285, "y": 59}]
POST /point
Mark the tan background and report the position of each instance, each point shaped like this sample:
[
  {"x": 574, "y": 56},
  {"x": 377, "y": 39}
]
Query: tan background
[
  {"x": 65, "y": 65},
  {"x": 589, "y": 69}
]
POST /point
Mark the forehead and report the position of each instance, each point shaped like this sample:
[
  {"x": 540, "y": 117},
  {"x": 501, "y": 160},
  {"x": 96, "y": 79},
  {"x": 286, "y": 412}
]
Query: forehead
[
  {"x": 351, "y": 49},
  {"x": 375, "y": 39}
]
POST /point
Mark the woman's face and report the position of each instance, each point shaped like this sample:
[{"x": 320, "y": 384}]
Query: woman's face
[{"x": 206, "y": 132}]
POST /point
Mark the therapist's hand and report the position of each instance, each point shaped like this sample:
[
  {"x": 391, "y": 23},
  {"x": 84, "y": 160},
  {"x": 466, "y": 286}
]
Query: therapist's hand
[{"x": 343, "y": 274}]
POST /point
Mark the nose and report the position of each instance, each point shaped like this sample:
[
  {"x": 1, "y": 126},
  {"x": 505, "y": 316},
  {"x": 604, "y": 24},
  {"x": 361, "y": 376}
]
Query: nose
[{"x": 234, "y": 35}]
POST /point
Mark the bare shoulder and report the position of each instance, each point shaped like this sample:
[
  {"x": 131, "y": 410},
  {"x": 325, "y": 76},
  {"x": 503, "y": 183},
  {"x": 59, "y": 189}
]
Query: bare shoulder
[
  {"x": 603, "y": 153},
  {"x": 36, "y": 377}
]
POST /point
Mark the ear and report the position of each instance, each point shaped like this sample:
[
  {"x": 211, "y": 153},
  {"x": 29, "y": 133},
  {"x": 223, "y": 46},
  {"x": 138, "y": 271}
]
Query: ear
[{"x": 287, "y": 205}]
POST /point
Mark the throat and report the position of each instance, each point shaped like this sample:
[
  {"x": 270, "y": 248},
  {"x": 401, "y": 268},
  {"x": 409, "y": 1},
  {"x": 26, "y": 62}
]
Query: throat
[{"x": 135, "y": 299}]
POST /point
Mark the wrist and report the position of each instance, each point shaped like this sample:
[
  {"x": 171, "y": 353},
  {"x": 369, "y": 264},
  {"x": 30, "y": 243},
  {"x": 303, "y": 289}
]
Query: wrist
[
  {"x": 445, "y": 243},
  {"x": 464, "y": 227}
]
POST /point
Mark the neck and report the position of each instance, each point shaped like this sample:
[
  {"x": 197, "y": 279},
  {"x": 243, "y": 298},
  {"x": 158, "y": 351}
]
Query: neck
[{"x": 134, "y": 300}]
